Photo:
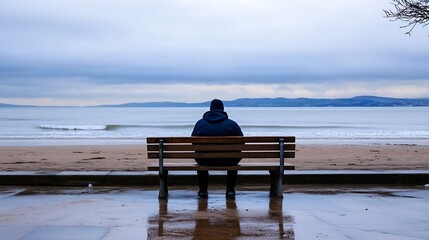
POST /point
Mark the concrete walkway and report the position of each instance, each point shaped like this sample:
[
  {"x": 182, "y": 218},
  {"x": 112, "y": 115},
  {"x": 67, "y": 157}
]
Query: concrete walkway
[
  {"x": 145, "y": 178},
  {"x": 306, "y": 212}
]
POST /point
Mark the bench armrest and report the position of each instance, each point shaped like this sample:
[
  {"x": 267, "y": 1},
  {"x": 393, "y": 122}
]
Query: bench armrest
[
  {"x": 282, "y": 155},
  {"x": 161, "y": 157}
]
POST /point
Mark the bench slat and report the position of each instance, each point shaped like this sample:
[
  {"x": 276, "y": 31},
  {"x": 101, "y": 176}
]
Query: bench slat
[
  {"x": 220, "y": 139},
  {"x": 184, "y": 155},
  {"x": 241, "y": 166},
  {"x": 220, "y": 147}
]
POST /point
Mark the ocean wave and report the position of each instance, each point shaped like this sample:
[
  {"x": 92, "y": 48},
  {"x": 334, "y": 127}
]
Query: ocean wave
[
  {"x": 114, "y": 127},
  {"x": 110, "y": 127},
  {"x": 73, "y": 127}
]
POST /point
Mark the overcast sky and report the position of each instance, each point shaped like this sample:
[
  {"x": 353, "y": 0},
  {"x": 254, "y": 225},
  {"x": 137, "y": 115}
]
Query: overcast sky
[{"x": 89, "y": 52}]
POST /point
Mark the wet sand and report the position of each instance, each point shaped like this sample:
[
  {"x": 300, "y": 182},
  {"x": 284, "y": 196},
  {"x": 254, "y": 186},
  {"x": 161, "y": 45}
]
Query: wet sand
[
  {"x": 134, "y": 157},
  {"x": 314, "y": 212}
]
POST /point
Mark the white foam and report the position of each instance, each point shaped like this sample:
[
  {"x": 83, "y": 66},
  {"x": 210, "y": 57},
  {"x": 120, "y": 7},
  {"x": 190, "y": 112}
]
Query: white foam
[{"x": 74, "y": 127}]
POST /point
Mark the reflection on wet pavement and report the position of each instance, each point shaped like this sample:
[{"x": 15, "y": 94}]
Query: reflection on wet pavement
[
  {"x": 310, "y": 212},
  {"x": 220, "y": 219}
]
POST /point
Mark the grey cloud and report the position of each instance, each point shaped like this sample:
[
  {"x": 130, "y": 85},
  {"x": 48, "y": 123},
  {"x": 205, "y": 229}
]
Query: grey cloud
[
  {"x": 204, "y": 41},
  {"x": 268, "y": 69}
]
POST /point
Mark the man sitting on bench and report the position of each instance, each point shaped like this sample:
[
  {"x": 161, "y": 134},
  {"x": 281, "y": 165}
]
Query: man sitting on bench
[{"x": 216, "y": 123}]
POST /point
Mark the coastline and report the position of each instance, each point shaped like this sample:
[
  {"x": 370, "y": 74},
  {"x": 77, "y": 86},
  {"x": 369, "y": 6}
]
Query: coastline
[{"x": 133, "y": 157}]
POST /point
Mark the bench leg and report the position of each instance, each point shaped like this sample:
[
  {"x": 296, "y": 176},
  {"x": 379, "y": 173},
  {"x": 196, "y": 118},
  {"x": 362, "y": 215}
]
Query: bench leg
[
  {"x": 273, "y": 185},
  {"x": 276, "y": 188},
  {"x": 279, "y": 189},
  {"x": 163, "y": 187}
]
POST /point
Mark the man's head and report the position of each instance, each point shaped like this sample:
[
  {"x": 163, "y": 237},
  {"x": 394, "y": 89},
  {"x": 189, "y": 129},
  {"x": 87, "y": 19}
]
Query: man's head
[{"x": 216, "y": 104}]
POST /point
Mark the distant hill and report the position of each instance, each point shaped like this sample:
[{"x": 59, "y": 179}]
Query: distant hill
[
  {"x": 3, "y": 105},
  {"x": 360, "y": 101}
]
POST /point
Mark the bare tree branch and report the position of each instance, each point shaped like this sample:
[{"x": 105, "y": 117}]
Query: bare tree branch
[{"x": 412, "y": 12}]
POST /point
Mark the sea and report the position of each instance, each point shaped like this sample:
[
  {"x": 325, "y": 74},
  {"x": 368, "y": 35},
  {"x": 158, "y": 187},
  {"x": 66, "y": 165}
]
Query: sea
[{"x": 45, "y": 126}]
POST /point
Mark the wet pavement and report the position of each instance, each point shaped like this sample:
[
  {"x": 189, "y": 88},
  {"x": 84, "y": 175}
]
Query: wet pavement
[{"x": 305, "y": 212}]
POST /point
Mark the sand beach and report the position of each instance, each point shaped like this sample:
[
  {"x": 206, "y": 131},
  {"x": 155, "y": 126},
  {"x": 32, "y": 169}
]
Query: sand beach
[{"x": 134, "y": 157}]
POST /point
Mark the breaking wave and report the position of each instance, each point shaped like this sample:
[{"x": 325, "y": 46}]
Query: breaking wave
[
  {"x": 61, "y": 127},
  {"x": 113, "y": 127},
  {"x": 108, "y": 127}
]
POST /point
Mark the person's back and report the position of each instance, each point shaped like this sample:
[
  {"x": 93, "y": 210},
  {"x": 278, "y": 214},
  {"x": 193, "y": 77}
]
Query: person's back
[{"x": 216, "y": 123}]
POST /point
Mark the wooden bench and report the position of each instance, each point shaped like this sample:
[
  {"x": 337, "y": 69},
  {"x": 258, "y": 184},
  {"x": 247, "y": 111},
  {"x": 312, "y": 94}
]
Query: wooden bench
[{"x": 186, "y": 148}]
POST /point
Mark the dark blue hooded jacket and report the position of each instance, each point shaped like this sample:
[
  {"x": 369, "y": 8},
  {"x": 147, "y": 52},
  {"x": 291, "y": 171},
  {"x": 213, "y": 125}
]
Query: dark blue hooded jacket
[{"x": 216, "y": 123}]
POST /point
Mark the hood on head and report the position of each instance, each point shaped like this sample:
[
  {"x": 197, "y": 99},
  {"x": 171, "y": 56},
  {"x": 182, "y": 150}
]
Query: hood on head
[{"x": 215, "y": 116}]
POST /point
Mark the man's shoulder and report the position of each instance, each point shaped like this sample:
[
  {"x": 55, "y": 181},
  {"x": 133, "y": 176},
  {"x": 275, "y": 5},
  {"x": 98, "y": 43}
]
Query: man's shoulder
[
  {"x": 200, "y": 121},
  {"x": 235, "y": 126},
  {"x": 231, "y": 121}
]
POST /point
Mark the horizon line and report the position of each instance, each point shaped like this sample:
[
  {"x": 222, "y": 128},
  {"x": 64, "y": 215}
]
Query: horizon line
[{"x": 194, "y": 104}]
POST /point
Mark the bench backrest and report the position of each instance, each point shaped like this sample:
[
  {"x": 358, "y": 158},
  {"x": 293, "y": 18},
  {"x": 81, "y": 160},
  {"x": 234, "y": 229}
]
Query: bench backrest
[{"x": 221, "y": 147}]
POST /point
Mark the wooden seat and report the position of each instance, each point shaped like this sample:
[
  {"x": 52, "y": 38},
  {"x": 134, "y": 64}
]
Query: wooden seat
[
  {"x": 241, "y": 166},
  {"x": 186, "y": 148}
]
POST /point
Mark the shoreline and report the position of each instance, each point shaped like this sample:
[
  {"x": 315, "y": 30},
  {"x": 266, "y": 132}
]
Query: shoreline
[
  {"x": 133, "y": 157},
  {"x": 113, "y": 141}
]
